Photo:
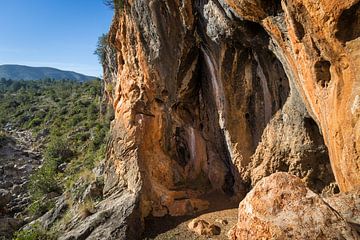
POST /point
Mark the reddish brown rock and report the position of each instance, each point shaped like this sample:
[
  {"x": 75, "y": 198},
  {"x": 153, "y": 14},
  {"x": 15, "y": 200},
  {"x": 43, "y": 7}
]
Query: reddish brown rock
[
  {"x": 202, "y": 227},
  {"x": 216, "y": 95},
  {"x": 348, "y": 206},
  {"x": 318, "y": 44},
  {"x": 281, "y": 207}
]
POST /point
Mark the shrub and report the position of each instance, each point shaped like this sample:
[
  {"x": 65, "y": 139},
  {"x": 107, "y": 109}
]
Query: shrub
[
  {"x": 35, "y": 122},
  {"x": 35, "y": 232},
  {"x": 44, "y": 181},
  {"x": 59, "y": 150},
  {"x": 87, "y": 208}
]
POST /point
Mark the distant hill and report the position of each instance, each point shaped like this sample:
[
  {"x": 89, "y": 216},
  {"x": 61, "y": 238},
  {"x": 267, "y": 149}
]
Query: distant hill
[{"x": 19, "y": 72}]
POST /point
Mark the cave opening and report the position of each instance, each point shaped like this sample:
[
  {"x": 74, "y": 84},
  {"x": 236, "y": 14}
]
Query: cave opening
[
  {"x": 253, "y": 78},
  {"x": 322, "y": 72},
  {"x": 299, "y": 29},
  {"x": 348, "y": 26}
]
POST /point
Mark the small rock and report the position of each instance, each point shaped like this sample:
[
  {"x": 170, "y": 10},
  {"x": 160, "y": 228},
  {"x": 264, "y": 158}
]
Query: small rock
[
  {"x": 202, "y": 227},
  {"x": 94, "y": 190},
  {"x": 8, "y": 226},
  {"x": 222, "y": 221},
  {"x": 62, "y": 167},
  {"x": 5, "y": 197},
  {"x": 16, "y": 189}
]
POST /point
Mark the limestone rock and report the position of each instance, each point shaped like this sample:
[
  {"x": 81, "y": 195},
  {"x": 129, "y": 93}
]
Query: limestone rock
[
  {"x": 348, "y": 206},
  {"x": 281, "y": 207},
  {"x": 202, "y": 227},
  {"x": 8, "y": 226},
  {"x": 49, "y": 218},
  {"x": 116, "y": 218},
  {"x": 216, "y": 95},
  {"x": 5, "y": 197},
  {"x": 318, "y": 44}
]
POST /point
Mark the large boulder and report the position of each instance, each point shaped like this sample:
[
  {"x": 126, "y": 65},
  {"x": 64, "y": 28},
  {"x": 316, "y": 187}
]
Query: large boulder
[
  {"x": 281, "y": 207},
  {"x": 348, "y": 206}
]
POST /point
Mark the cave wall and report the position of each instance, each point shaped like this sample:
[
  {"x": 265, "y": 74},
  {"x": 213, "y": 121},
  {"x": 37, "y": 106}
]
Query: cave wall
[
  {"x": 317, "y": 42},
  {"x": 214, "y": 95}
]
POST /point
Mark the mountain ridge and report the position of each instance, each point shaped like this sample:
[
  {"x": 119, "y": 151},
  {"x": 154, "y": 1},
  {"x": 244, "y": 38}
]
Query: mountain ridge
[{"x": 23, "y": 72}]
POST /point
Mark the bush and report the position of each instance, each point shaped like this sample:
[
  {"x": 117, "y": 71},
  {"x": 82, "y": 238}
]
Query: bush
[
  {"x": 44, "y": 181},
  {"x": 35, "y": 232},
  {"x": 35, "y": 122},
  {"x": 59, "y": 150}
]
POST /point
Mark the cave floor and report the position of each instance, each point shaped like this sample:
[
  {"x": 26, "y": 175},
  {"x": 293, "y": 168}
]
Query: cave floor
[{"x": 221, "y": 208}]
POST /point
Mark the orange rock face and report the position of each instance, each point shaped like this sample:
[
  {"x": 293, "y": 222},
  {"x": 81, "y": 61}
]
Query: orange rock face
[
  {"x": 213, "y": 96},
  {"x": 318, "y": 43},
  {"x": 281, "y": 207}
]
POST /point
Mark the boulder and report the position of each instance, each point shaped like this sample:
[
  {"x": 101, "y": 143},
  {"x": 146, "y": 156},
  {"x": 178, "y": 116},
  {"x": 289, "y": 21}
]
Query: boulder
[
  {"x": 281, "y": 207},
  {"x": 348, "y": 206},
  {"x": 202, "y": 227},
  {"x": 5, "y": 197}
]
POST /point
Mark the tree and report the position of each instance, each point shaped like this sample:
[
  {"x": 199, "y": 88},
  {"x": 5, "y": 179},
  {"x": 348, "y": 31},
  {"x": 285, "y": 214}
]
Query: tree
[
  {"x": 101, "y": 48},
  {"x": 114, "y": 4}
]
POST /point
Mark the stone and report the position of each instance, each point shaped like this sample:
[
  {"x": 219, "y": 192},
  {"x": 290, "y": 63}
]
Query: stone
[
  {"x": 318, "y": 44},
  {"x": 187, "y": 207},
  {"x": 116, "y": 218},
  {"x": 49, "y": 218},
  {"x": 348, "y": 206},
  {"x": 218, "y": 95},
  {"x": 5, "y": 197},
  {"x": 281, "y": 207},
  {"x": 222, "y": 221},
  {"x": 93, "y": 191},
  {"x": 8, "y": 226},
  {"x": 203, "y": 228}
]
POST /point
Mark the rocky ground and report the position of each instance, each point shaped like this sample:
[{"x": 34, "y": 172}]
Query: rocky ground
[
  {"x": 19, "y": 157},
  {"x": 221, "y": 215},
  {"x": 172, "y": 228}
]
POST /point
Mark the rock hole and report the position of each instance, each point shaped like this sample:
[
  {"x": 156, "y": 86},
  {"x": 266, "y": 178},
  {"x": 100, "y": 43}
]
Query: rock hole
[
  {"x": 272, "y": 7},
  {"x": 159, "y": 101},
  {"x": 299, "y": 29},
  {"x": 229, "y": 184},
  {"x": 183, "y": 154},
  {"x": 322, "y": 72},
  {"x": 348, "y": 27}
]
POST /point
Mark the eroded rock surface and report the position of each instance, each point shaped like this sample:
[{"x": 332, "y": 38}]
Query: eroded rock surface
[
  {"x": 321, "y": 56},
  {"x": 281, "y": 207},
  {"x": 202, "y": 227},
  {"x": 19, "y": 157},
  {"x": 215, "y": 95},
  {"x": 348, "y": 206}
]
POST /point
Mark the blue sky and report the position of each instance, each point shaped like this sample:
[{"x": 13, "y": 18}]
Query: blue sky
[{"x": 53, "y": 33}]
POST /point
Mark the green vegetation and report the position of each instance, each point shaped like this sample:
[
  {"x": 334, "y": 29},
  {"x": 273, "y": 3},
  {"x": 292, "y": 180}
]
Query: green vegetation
[
  {"x": 101, "y": 48},
  {"x": 36, "y": 232},
  {"x": 118, "y": 5},
  {"x": 65, "y": 116}
]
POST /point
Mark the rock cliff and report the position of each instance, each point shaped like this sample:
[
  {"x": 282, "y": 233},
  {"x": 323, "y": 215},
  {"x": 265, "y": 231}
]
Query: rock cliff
[{"x": 214, "y": 95}]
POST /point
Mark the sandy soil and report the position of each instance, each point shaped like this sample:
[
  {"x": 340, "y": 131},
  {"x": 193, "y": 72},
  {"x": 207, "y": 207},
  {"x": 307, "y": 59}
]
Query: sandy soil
[{"x": 175, "y": 228}]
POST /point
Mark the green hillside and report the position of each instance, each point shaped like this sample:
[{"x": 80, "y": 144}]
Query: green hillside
[
  {"x": 71, "y": 123},
  {"x": 19, "y": 72}
]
